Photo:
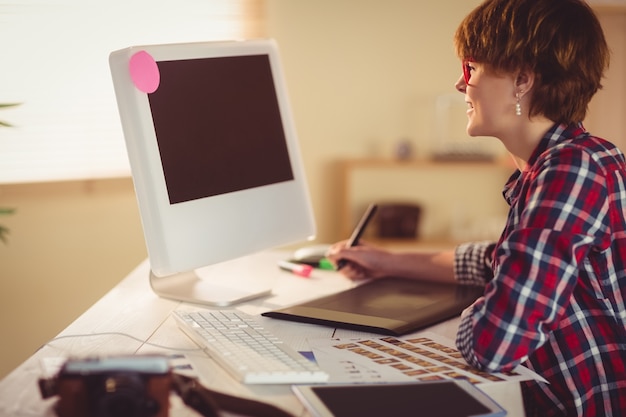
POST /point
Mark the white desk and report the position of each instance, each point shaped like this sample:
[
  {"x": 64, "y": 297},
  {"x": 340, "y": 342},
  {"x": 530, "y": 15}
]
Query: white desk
[{"x": 132, "y": 308}]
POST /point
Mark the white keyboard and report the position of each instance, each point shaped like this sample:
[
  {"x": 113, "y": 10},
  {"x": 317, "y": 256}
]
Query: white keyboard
[{"x": 239, "y": 343}]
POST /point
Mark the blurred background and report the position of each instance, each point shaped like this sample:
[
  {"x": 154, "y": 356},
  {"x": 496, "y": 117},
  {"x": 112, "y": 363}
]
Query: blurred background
[{"x": 371, "y": 84}]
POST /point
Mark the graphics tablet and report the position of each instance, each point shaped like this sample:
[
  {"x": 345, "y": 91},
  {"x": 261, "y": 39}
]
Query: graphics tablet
[
  {"x": 451, "y": 398},
  {"x": 393, "y": 306}
]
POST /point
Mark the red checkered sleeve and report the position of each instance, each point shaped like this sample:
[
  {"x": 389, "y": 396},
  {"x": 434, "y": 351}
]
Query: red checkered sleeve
[{"x": 472, "y": 263}]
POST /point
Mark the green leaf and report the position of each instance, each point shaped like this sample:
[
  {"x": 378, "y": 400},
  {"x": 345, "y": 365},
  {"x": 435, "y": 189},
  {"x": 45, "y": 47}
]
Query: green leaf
[
  {"x": 4, "y": 106},
  {"x": 3, "y": 234}
]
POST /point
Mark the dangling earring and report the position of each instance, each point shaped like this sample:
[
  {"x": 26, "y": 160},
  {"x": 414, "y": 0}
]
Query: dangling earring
[{"x": 518, "y": 107}]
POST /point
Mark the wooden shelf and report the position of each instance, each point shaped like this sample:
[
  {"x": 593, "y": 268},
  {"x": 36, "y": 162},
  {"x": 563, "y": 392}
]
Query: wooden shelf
[{"x": 426, "y": 181}]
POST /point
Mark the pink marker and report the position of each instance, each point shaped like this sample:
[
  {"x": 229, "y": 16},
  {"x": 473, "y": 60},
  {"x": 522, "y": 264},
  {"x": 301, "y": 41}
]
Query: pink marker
[{"x": 302, "y": 270}]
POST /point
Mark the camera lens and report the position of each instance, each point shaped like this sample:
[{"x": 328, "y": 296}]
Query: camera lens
[{"x": 124, "y": 396}]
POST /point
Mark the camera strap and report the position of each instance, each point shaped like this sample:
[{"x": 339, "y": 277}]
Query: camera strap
[{"x": 209, "y": 403}]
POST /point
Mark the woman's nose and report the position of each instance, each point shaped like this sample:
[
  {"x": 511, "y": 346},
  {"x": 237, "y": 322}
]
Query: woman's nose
[{"x": 460, "y": 85}]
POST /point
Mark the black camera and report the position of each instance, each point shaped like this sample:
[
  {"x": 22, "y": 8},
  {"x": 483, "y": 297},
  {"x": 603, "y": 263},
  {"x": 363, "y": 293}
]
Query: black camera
[{"x": 120, "y": 386}]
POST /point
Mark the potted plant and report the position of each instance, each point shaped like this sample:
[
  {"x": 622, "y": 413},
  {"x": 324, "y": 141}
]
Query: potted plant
[{"x": 4, "y": 231}]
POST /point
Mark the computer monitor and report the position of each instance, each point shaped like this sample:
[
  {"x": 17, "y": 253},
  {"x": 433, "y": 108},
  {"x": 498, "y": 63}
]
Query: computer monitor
[{"x": 214, "y": 158}]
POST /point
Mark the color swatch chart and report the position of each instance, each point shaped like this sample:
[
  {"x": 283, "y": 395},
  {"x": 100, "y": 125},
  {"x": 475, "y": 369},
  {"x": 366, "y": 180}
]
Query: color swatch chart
[{"x": 388, "y": 359}]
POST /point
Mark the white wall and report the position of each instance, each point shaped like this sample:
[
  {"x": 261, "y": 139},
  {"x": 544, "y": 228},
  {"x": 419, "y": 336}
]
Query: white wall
[
  {"x": 362, "y": 75},
  {"x": 69, "y": 243}
]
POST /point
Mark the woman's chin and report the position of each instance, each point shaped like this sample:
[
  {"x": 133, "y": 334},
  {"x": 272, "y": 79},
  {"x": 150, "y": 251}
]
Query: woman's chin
[{"x": 473, "y": 131}]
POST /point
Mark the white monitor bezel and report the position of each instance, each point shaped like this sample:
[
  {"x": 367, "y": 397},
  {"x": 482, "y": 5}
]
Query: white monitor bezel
[{"x": 182, "y": 237}]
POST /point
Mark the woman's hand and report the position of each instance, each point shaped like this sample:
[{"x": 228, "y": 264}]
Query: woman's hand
[
  {"x": 469, "y": 310},
  {"x": 364, "y": 261}
]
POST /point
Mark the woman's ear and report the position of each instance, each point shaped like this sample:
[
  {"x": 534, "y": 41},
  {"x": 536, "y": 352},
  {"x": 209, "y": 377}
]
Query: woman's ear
[{"x": 524, "y": 81}]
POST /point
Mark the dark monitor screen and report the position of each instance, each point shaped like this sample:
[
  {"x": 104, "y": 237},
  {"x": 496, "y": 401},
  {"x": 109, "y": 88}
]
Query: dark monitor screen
[{"x": 227, "y": 133}]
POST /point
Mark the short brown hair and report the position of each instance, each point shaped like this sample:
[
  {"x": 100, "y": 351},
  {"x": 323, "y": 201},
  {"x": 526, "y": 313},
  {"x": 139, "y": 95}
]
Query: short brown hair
[{"x": 561, "y": 41}]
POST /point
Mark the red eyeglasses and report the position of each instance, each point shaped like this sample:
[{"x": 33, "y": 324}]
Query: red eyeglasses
[{"x": 467, "y": 70}]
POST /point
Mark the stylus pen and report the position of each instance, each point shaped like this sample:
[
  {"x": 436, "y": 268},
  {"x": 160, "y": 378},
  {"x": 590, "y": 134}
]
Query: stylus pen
[{"x": 358, "y": 231}]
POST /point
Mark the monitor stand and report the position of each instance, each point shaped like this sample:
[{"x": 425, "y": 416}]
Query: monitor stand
[{"x": 218, "y": 285}]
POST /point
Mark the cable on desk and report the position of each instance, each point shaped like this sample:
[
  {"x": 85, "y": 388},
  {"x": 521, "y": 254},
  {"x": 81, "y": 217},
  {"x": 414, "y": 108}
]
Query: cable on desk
[{"x": 69, "y": 336}]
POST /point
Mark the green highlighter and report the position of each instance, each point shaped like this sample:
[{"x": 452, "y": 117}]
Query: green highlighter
[{"x": 324, "y": 263}]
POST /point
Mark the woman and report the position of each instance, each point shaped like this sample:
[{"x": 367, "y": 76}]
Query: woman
[{"x": 555, "y": 282}]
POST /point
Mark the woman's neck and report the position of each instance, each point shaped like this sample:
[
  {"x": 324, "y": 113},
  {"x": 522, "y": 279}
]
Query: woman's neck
[{"x": 525, "y": 140}]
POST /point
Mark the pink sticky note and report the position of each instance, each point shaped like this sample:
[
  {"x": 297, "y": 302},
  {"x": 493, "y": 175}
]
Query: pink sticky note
[{"x": 144, "y": 72}]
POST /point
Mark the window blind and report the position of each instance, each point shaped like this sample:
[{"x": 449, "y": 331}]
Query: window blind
[{"x": 55, "y": 65}]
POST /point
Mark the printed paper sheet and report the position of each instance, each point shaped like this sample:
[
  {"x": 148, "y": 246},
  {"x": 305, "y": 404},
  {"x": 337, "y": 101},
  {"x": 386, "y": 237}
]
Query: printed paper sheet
[{"x": 419, "y": 357}]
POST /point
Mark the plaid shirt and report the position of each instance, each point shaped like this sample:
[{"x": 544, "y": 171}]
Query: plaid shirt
[{"x": 555, "y": 295}]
